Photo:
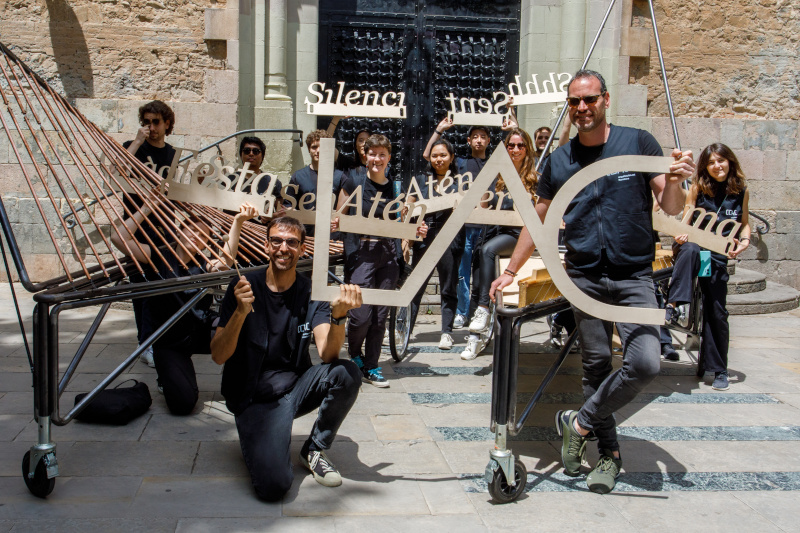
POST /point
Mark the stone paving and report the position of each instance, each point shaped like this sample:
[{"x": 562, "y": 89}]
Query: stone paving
[{"x": 412, "y": 456}]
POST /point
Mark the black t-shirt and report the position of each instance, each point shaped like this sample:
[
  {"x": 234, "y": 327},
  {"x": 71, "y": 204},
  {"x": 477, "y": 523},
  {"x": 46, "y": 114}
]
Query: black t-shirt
[
  {"x": 269, "y": 333},
  {"x": 609, "y": 223},
  {"x": 158, "y": 159},
  {"x": 306, "y": 181},
  {"x": 369, "y": 191},
  {"x": 473, "y": 165},
  {"x": 156, "y": 310}
]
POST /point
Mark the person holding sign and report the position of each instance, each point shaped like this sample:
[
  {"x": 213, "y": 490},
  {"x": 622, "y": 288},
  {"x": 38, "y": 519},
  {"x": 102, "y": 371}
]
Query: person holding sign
[
  {"x": 373, "y": 262},
  {"x": 266, "y": 323},
  {"x": 720, "y": 188},
  {"x": 610, "y": 249},
  {"x": 172, "y": 352},
  {"x": 499, "y": 240},
  {"x": 443, "y": 174}
]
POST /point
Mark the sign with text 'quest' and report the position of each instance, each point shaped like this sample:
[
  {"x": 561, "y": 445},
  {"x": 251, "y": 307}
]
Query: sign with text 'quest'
[
  {"x": 339, "y": 102},
  {"x": 491, "y": 112}
]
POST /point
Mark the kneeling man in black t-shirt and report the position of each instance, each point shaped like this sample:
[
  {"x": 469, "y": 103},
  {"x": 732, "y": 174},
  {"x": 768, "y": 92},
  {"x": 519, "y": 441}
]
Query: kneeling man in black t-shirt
[{"x": 266, "y": 322}]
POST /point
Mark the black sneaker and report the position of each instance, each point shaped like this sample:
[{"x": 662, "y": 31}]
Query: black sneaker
[
  {"x": 375, "y": 377},
  {"x": 669, "y": 352},
  {"x": 321, "y": 468},
  {"x": 720, "y": 381},
  {"x": 603, "y": 478}
]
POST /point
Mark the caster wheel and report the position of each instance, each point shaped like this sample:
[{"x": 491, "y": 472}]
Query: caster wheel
[
  {"x": 40, "y": 486},
  {"x": 501, "y": 491}
]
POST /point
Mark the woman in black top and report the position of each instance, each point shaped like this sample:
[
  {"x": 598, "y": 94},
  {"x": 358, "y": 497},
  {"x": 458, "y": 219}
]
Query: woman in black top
[
  {"x": 499, "y": 240},
  {"x": 442, "y": 164},
  {"x": 373, "y": 261},
  {"x": 720, "y": 188}
]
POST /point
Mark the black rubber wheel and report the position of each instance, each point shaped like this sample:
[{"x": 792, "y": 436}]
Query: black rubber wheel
[
  {"x": 39, "y": 486},
  {"x": 501, "y": 491},
  {"x": 399, "y": 331}
]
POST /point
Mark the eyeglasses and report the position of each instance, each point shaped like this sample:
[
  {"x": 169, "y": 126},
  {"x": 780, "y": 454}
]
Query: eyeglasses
[
  {"x": 518, "y": 146},
  {"x": 254, "y": 151},
  {"x": 575, "y": 101},
  {"x": 277, "y": 242},
  {"x": 154, "y": 122}
]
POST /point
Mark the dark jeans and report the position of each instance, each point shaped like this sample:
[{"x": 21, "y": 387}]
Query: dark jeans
[
  {"x": 499, "y": 245},
  {"x": 265, "y": 429},
  {"x": 176, "y": 371},
  {"x": 376, "y": 268},
  {"x": 447, "y": 268},
  {"x": 605, "y": 389},
  {"x": 715, "y": 335}
]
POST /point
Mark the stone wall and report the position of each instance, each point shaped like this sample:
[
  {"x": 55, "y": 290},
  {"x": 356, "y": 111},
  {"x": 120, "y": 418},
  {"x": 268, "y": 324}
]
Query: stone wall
[{"x": 733, "y": 78}]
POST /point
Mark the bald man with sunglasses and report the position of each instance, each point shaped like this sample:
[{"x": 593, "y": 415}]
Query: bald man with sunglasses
[{"x": 610, "y": 249}]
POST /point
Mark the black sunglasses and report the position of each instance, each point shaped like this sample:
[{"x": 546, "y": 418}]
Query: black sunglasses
[
  {"x": 518, "y": 146},
  {"x": 277, "y": 242},
  {"x": 254, "y": 151},
  {"x": 154, "y": 122},
  {"x": 575, "y": 101}
]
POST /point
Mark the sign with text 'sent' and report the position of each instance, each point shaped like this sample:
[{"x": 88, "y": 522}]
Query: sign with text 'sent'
[
  {"x": 339, "y": 102},
  {"x": 544, "y": 233},
  {"x": 492, "y": 112}
]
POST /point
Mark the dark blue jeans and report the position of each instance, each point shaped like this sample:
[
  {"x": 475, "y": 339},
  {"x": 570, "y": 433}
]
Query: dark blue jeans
[
  {"x": 607, "y": 390},
  {"x": 265, "y": 429}
]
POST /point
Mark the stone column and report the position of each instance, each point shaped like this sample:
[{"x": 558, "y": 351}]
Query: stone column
[{"x": 275, "y": 87}]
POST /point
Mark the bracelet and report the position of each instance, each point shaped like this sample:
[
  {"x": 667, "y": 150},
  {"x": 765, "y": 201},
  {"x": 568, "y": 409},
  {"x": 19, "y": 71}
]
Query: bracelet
[
  {"x": 440, "y": 132},
  {"x": 510, "y": 273},
  {"x": 745, "y": 239}
]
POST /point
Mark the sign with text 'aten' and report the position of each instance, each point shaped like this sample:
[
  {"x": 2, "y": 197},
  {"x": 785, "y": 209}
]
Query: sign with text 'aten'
[
  {"x": 338, "y": 102},
  {"x": 544, "y": 233},
  {"x": 491, "y": 112}
]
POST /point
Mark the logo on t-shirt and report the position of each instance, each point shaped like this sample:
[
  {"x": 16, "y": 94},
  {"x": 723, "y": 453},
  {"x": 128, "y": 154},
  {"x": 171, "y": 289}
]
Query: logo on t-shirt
[
  {"x": 732, "y": 212},
  {"x": 305, "y": 330}
]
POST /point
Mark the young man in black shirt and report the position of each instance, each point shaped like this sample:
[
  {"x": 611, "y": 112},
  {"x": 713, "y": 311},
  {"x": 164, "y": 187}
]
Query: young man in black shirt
[
  {"x": 609, "y": 256},
  {"x": 304, "y": 181},
  {"x": 156, "y": 121},
  {"x": 265, "y": 327}
]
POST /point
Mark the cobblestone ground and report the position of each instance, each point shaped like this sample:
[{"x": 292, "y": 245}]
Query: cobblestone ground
[{"x": 412, "y": 456}]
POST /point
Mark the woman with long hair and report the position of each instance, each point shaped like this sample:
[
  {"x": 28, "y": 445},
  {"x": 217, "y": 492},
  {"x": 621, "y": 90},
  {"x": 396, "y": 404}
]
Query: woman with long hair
[
  {"x": 719, "y": 188},
  {"x": 442, "y": 165},
  {"x": 499, "y": 240}
]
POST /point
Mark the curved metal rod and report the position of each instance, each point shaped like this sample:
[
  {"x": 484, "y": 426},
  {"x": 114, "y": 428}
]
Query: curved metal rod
[{"x": 761, "y": 230}]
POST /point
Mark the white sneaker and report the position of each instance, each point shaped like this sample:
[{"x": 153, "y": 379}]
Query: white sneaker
[
  {"x": 480, "y": 321},
  {"x": 385, "y": 341},
  {"x": 471, "y": 351},
  {"x": 446, "y": 342},
  {"x": 146, "y": 357},
  {"x": 458, "y": 322}
]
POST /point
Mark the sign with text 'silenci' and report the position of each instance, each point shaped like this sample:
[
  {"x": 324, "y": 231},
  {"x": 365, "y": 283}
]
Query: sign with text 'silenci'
[{"x": 339, "y": 102}]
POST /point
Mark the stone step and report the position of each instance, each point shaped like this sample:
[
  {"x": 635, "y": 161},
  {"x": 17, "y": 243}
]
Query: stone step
[
  {"x": 773, "y": 299},
  {"x": 746, "y": 281}
]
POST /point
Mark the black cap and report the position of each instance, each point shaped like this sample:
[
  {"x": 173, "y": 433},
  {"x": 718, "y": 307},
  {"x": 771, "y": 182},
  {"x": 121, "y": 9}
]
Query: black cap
[{"x": 484, "y": 128}]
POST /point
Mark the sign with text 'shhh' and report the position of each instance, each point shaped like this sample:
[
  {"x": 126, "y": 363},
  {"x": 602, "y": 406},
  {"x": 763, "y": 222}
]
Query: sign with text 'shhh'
[
  {"x": 486, "y": 112},
  {"x": 354, "y": 103}
]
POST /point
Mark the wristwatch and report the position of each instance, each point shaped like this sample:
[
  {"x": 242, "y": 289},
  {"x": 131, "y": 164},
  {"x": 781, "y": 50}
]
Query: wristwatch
[{"x": 338, "y": 321}]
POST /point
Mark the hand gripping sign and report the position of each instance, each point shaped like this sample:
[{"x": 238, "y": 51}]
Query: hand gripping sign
[{"x": 545, "y": 234}]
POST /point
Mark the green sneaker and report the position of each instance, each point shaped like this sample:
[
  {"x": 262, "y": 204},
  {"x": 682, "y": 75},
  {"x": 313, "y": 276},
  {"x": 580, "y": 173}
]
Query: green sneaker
[
  {"x": 573, "y": 446},
  {"x": 603, "y": 478}
]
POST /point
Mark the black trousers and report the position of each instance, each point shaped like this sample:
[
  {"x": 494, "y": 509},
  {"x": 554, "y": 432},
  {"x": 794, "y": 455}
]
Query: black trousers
[
  {"x": 265, "y": 428},
  {"x": 715, "y": 334},
  {"x": 375, "y": 267},
  {"x": 500, "y": 245},
  {"x": 447, "y": 268},
  {"x": 176, "y": 371}
]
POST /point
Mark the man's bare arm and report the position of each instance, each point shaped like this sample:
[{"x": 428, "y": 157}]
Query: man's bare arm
[{"x": 226, "y": 338}]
